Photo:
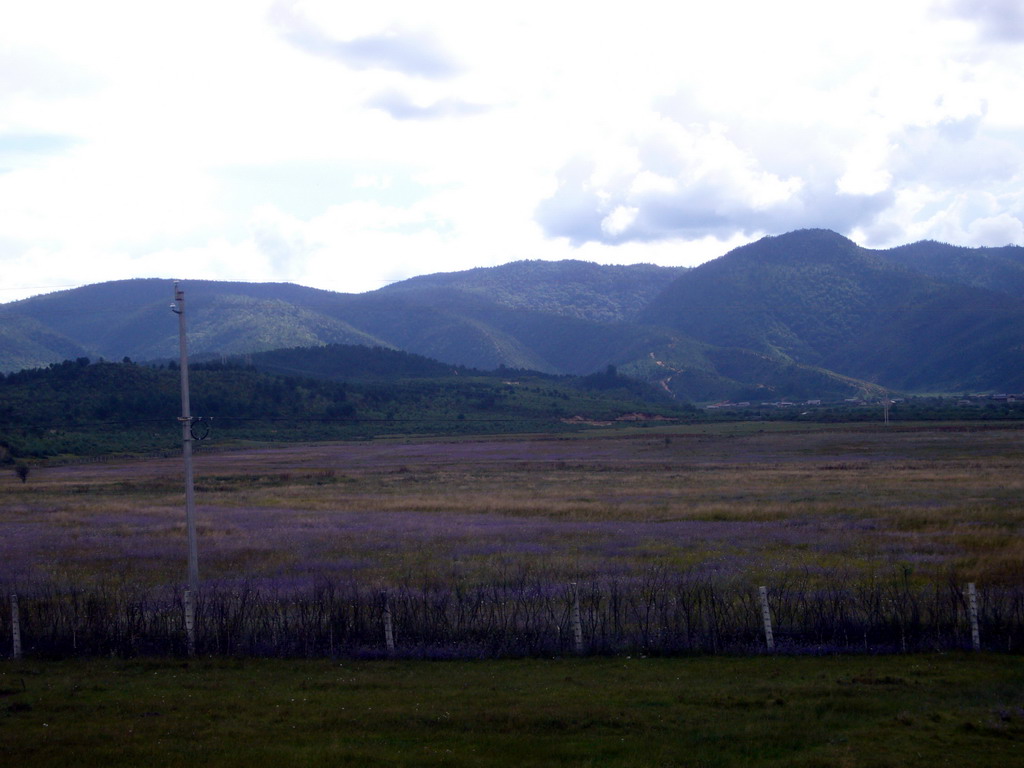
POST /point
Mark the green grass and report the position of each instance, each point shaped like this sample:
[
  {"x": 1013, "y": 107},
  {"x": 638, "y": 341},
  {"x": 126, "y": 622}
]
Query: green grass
[{"x": 954, "y": 710}]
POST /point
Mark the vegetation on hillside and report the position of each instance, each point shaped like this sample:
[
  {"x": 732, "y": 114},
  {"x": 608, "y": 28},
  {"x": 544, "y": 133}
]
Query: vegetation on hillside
[
  {"x": 997, "y": 269},
  {"x": 570, "y": 288},
  {"x": 805, "y": 314},
  {"x": 78, "y": 407},
  {"x": 815, "y": 298}
]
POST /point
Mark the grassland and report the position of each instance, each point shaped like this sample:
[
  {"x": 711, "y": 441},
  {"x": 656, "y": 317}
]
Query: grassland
[
  {"x": 897, "y": 517},
  {"x": 865, "y": 536},
  {"x": 744, "y": 499},
  {"x": 884, "y": 712}
]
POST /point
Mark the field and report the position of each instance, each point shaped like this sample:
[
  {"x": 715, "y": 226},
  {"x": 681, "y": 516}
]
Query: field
[
  {"x": 718, "y": 498},
  {"x": 865, "y": 536},
  {"x": 913, "y": 711}
]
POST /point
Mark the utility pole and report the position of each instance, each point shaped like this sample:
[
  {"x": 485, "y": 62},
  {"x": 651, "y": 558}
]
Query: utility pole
[{"x": 178, "y": 307}]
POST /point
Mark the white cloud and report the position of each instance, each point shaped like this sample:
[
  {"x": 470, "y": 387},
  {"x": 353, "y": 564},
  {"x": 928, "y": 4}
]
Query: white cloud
[
  {"x": 401, "y": 107},
  {"x": 996, "y": 230},
  {"x": 372, "y": 181},
  {"x": 414, "y": 52},
  {"x": 997, "y": 20},
  {"x": 977, "y": 218},
  {"x": 693, "y": 182},
  {"x": 619, "y": 220}
]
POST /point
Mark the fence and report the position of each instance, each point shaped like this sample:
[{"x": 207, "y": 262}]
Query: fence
[{"x": 656, "y": 613}]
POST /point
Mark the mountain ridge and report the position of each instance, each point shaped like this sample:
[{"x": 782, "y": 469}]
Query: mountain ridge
[{"x": 808, "y": 312}]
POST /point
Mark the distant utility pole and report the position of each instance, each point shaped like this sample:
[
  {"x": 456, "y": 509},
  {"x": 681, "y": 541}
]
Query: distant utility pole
[{"x": 178, "y": 307}]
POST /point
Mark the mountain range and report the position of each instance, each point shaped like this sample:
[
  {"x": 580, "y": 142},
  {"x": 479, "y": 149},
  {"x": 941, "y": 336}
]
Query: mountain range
[{"x": 801, "y": 315}]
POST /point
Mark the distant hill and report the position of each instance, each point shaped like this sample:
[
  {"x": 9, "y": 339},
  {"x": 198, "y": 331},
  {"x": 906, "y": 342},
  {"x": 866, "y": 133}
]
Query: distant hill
[
  {"x": 997, "y": 269},
  {"x": 794, "y": 297},
  {"x": 132, "y": 318},
  {"x": 345, "y": 362},
  {"x": 570, "y": 288},
  {"x": 805, "y": 314},
  {"x": 26, "y": 343},
  {"x": 815, "y": 298}
]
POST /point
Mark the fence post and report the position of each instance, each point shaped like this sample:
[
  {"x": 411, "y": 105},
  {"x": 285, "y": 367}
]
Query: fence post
[
  {"x": 972, "y": 605},
  {"x": 577, "y": 624},
  {"x": 15, "y": 627},
  {"x": 766, "y": 615},
  {"x": 190, "y": 623},
  {"x": 389, "y": 629}
]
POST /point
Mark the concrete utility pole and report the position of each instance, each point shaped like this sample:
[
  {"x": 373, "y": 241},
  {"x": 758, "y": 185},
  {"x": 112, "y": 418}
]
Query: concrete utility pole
[
  {"x": 766, "y": 617},
  {"x": 15, "y": 628},
  {"x": 972, "y": 607},
  {"x": 178, "y": 307}
]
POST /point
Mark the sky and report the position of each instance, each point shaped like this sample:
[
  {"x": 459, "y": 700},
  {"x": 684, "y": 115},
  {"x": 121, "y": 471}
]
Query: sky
[{"x": 346, "y": 145}]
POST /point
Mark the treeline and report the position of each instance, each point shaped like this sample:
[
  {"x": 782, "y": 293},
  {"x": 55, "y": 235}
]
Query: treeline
[
  {"x": 83, "y": 408},
  {"x": 908, "y": 410},
  {"x": 80, "y": 407},
  {"x": 76, "y": 393},
  {"x": 347, "y": 362}
]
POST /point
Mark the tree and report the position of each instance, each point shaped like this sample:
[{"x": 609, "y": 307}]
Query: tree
[{"x": 21, "y": 470}]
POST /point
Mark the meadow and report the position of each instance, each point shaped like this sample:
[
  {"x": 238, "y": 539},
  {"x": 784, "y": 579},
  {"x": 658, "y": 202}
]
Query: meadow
[
  {"x": 902, "y": 711},
  {"x": 656, "y": 537}
]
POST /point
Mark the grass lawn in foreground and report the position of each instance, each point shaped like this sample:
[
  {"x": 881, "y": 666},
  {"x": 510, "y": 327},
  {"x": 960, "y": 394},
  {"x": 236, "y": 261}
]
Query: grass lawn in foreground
[{"x": 917, "y": 710}]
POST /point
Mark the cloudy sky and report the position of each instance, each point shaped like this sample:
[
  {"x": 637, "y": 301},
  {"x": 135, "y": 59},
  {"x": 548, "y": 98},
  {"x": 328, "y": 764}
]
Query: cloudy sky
[{"x": 345, "y": 145}]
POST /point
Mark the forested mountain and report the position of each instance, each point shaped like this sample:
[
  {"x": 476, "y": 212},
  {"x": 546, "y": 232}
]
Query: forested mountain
[
  {"x": 26, "y": 343},
  {"x": 998, "y": 269},
  {"x": 345, "y": 362},
  {"x": 815, "y": 298},
  {"x": 132, "y": 318},
  {"x": 569, "y": 288},
  {"x": 805, "y": 314}
]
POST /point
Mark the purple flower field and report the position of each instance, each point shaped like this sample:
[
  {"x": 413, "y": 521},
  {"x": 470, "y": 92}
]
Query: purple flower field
[{"x": 810, "y": 513}]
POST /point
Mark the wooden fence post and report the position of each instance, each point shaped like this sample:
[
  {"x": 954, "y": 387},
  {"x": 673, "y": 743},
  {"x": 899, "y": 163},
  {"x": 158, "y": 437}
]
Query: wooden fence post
[
  {"x": 190, "y": 623},
  {"x": 15, "y": 627},
  {"x": 577, "y": 624},
  {"x": 766, "y": 615},
  {"x": 972, "y": 605}
]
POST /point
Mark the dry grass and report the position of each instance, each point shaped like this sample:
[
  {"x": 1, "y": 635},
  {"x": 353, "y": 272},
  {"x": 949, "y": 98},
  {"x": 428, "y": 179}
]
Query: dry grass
[{"x": 935, "y": 499}]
